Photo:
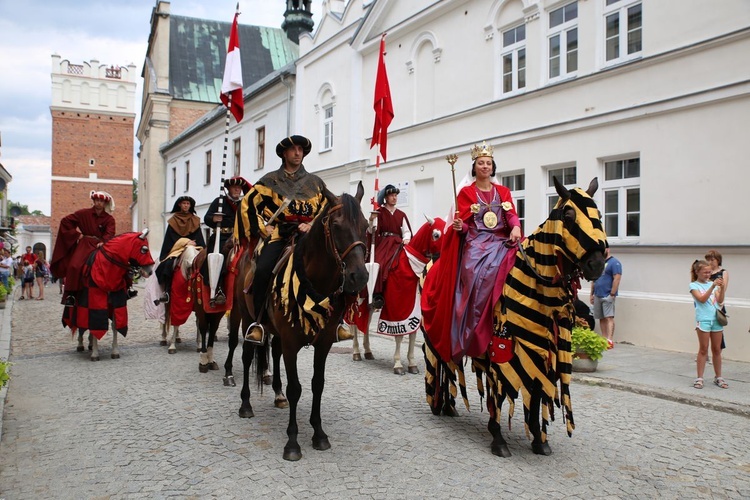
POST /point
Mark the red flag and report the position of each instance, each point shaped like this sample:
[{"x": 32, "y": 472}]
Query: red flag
[
  {"x": 232, "y": 83},
  {"x": 383, "y": 105}
]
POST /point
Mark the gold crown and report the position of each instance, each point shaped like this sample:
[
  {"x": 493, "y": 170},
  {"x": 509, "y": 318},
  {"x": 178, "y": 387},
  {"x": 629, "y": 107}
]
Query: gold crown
[{"x": 485, "y": 150}]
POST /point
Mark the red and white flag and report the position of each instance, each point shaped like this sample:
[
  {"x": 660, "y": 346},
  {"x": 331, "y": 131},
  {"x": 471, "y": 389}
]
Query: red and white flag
[
  {"x": 232, "y": 83},
  {"x": 383, "y": 105}
]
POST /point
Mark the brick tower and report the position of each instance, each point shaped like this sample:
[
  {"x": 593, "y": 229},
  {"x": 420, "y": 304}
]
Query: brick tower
[{"x": 93, "y": 117}]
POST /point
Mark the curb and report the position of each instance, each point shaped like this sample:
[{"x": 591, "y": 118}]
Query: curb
[
  {"x": 726, "y": 407},
  {"x": 5, "y": 349}
]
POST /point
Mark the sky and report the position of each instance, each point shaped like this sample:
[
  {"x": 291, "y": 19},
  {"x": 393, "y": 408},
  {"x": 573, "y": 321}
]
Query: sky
[{"x": 115, "y": 32}]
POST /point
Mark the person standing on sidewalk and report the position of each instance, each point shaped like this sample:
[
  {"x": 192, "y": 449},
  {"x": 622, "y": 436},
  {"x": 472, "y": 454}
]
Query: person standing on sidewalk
[
  {"x": 603, "y": 294},
  {"x": 707, "y": 296}
]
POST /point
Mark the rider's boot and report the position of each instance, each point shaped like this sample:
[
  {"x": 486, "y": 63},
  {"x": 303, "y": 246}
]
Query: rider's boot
[{"x": 343, "y": 333}]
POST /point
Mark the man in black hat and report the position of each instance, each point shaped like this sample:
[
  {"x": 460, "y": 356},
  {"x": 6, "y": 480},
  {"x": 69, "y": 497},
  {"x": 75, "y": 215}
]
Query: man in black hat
[
  {"x": 223, "y": 223},
  {"x": 265, "y": 215},
  {"x": 183, "y": 224},
  {"x": 390, "y": 234}
]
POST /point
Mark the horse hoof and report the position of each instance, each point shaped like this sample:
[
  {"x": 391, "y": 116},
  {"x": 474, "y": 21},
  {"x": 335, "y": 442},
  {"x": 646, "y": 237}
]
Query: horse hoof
[
  {"x": 202, "y": 368},
  {"x": 541, "y": 448},
  {"x": 292, "y": 455},
  {"x": 321, "y": 444},
  {"x": 178, "y": 340},
  {"x": 172, "y": 351},
  {"x": 501, "y": 450},
  {"x": 414, "y": 370},
  {"x": 163, "y": 343},
  {"x": 229, "y": 381},
  {"x": 94, "y": 358},
  {"x": 246, "y": 412},
  {"x": 399, "y": 371},
  {"x": 213, "y": 365},
  {"x": 450, "y": 411},
  {"x": 356, "y": 356},
  {"x": 280, "y": 401},
  {"x": 267, "y": 380},
  {"x": 114, "y": 356},
  {"x": 79, "y": 348},
  {"x": 368, "y": 355}
]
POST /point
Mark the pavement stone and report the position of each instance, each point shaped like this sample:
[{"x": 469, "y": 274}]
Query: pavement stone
[{"x": 150, "y": 426}]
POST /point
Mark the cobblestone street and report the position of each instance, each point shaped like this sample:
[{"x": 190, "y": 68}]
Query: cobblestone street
[{"x": 150, "y": 426}]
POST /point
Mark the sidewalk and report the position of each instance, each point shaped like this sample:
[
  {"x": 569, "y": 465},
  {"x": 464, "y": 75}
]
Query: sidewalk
[{"x": 670, "y": 375}]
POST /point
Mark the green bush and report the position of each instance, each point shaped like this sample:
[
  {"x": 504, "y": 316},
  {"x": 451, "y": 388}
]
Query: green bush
[
  {"x": 11, "y": 282},
  {"x": 4, "y": 373},
  {"x": 3, "y": 292},
  {"x": 588, "y": 341}
]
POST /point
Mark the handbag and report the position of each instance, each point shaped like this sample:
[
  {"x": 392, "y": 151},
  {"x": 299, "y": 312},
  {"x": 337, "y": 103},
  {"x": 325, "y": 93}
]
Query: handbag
[{"x": 721, "y": 317}]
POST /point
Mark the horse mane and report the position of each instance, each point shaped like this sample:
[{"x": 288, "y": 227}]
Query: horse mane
[{"x": 186, "y": 260}]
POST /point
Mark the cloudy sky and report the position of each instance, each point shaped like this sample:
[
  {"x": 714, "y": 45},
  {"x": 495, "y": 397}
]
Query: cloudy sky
[{"x": 115, "y": 32}]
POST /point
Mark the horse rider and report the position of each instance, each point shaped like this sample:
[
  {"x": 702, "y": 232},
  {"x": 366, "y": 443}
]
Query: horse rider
[
  {"x": 281, "y": 204},
  {"x": 81, "y": 233},
  {"x": 183, "y": 224},
  {"x": 223, "y": 222},
  {"x": 391, "y": 233}
]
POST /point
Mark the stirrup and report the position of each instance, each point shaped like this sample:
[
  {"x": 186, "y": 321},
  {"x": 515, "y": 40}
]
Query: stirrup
[
  {"x": 70, "y": 301},
  {"x": 219, "y": 299},
  {"x": 249, "y": 332},
  {"x": 343, "y": 333}
]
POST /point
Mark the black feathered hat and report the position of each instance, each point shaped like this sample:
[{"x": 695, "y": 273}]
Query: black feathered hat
[
  {"x": 238, "y": 181},
  {"x": 295, "y": 140},
  {"x": 389, "y": 189},
  {"x": 176, "y": 207}
]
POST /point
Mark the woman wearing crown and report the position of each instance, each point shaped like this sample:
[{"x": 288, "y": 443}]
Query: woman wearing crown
[{"x": 465, "y": 283}]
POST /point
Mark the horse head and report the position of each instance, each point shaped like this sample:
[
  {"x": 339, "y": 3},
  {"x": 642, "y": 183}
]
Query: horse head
[
  {"x": 348, "y": 233},
  {"x": 131, "y": 250},
  {"x": 185, "y": 262},
  {"x": 582, "y": 235},
  {"x": 428, "y": 238}
]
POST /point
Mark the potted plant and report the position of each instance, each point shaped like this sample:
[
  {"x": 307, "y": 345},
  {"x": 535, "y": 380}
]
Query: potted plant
[
  {"x": 587, "y": 347},
  {"x": 3, "y": 296}
]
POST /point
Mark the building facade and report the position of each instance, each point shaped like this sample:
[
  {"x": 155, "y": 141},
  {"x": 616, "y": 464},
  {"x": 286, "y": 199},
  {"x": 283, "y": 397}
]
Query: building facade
[
  {"x": 652, "y": 97},
  {"x": 93, "y": 116},
  {"x": 177, "y": 92}
]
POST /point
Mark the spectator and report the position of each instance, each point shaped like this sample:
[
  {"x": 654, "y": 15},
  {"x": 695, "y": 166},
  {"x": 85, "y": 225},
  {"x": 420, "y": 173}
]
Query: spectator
[
  {"x": 28, "y": 281},
  {"x": 713, "y": 257},
  {"x": 6, "y": 267},
  {"x": 40, "y": 273},
  {"x": 707, "y": 295},
  {"x": 603, "y": 294}
]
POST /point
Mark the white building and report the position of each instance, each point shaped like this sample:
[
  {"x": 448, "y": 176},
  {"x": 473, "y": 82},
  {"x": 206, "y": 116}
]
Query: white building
[{"x": 650, "y": 96}]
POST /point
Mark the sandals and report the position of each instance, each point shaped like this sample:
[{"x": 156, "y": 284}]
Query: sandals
[
  {"x": 720, "y": 382},
  {"x": 698, "y": 384}
]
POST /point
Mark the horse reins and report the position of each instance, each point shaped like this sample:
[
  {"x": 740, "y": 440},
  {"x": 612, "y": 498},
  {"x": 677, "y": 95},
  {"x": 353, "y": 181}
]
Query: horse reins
[
  {"x": 116, "y": 262},
  {"x": 329, "y": 242}
]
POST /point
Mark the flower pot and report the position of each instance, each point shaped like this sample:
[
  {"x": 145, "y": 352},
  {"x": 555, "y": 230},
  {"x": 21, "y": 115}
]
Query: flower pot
[{"x": 583, "y": 364}]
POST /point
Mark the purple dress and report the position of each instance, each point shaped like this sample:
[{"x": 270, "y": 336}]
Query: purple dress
[{"x": 479, "y": 284}]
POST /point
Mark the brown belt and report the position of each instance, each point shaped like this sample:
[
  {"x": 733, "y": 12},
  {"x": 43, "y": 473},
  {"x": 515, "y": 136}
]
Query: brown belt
[
  {"x": 389, "y": 234},
  {"x": 227, "y": 230}
]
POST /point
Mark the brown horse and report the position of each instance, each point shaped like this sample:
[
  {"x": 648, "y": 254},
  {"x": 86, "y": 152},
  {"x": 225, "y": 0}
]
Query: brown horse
[{"x": 308, "y": 301}]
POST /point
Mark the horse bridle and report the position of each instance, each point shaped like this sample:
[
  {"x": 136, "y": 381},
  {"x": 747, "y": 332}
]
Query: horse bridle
[
  {"x": 128, "y": 267},
  {"x": 329, "y": 242}
]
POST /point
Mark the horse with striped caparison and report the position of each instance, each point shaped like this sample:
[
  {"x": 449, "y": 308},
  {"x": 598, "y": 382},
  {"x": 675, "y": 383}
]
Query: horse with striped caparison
[{"x": 533, "y": 322}]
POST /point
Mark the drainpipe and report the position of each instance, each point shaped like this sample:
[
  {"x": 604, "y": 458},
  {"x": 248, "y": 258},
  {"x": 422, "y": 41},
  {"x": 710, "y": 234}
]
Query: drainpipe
[{"x": 288, "y": 104}]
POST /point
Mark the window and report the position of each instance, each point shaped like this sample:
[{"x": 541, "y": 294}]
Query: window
[
  {"x": 623, "y": 30},
  {"x": 328, "y": 128},
  {"x": 237, "y": 148},
  {"x": 187, "y": 176},
  {"x": 207, "y": 176},
  {"x": 563, "y": 41},
  {"x": 174, "y": 181},
  {"x": 566, "y": 175},
  {"x": 260, "y": 135},
  {"x": 517, "y": 185},
  {"x": 622, "y": 198},
  {"x": 514, "y": 59}
]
